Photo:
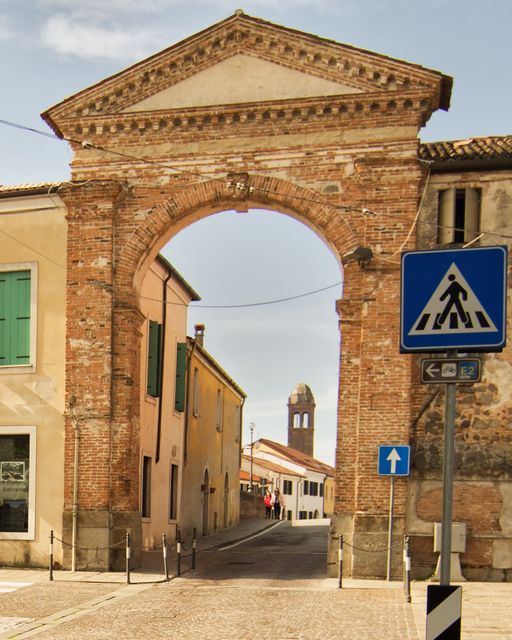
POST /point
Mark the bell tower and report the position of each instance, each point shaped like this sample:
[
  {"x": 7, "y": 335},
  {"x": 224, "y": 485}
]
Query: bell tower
[{"x": 301, "y": 419}]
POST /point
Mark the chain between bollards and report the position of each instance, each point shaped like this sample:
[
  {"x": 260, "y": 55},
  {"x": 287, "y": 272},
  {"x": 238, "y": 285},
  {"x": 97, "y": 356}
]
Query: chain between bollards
[
  {"x": 407, "y": 570},
  {"x": 340, "y": 560},
  {"x": 128, "y": 555},
  {"x": 51, "y": 554}
]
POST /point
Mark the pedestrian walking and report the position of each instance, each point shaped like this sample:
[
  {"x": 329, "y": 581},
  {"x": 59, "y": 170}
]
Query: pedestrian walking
[
  {"x": 267, "y": 499},
  {"x": 277, "y": 503}
]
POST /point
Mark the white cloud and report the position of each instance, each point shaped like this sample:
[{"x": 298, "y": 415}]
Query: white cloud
[{"x": 71, "y": 36}]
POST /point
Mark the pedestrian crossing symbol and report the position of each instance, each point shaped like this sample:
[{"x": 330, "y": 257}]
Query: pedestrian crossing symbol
[
  {"x": 454, "y": 299},
  {"x": 453, "y": 308}
]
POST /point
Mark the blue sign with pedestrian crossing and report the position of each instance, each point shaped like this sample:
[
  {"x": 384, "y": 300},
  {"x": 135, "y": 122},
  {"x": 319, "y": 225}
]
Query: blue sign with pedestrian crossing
[
  {"x": 454, "y": 299},
  {"x": 394, "y": 460}
]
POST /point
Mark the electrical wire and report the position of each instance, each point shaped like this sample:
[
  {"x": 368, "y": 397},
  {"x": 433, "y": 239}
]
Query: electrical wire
[
  {"x": 241, "y": 306},
  {"x": 88, "y": 145}
]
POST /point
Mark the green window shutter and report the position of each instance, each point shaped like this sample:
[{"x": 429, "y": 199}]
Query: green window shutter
[
  {"x": 181, "y": 366},
  {"x": 154, "y": 358},
  {"x": 15, "y": 317}
]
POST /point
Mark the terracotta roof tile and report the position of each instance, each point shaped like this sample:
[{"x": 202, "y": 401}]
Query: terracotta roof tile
[{"x": 473, "y": 149}]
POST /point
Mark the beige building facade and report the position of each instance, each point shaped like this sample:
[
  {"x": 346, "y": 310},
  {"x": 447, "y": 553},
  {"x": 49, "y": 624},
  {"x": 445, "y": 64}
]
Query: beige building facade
[{"x": 33, "y": 245}]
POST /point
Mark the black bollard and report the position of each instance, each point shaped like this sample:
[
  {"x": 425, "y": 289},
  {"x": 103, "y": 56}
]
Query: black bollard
[
  {"x": 340, "y": 558},
  {"x": 178, "y": 551},
  {"x": 51, "y": 554},
  {"x": 164, "y": 549},
  {"x": 194, "y": 545},
  {"x": 407, "y": 570},
  {"x": 128, "y": 554}
]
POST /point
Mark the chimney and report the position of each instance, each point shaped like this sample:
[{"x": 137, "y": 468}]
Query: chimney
[{"x": 199, "y": 334}]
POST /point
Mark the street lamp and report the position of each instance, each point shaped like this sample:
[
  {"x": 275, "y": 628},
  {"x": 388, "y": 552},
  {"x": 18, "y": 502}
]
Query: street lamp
[{"x": 251, "y": 429}]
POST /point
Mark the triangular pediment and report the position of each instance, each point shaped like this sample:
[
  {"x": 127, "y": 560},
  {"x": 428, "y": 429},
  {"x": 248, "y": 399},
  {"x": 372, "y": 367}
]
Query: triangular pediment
[
  {"x": 241, "y": 79},
  {"x": 247, "y": 60}
]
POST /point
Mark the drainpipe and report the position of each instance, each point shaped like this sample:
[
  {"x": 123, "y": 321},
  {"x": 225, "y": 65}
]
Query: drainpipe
[{"x": 162, "y": 360}]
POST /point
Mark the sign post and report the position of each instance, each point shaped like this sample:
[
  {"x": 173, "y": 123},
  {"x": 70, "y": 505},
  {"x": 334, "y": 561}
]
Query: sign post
[{"x": 393, "y": 461}]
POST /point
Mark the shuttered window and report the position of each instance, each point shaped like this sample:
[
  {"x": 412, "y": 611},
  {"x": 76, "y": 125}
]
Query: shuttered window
[
  {"x": 154, "y": 359},
  {"x": 181, "y": 366},
  {"x": 15, "y": 317}
]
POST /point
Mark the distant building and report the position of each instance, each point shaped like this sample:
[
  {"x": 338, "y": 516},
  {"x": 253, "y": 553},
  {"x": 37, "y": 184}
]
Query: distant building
[{"x": 301, "y": 478}]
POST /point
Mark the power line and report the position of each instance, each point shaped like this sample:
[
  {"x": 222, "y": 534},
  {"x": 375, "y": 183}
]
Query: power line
[{"x": 364, "y": 211}]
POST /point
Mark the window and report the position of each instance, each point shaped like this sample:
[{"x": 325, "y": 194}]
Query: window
[
  {"x": 18, "y": 290},
  {"x": 306, "y": 487},
  {"x": 146, "y": 487},
  {"x": 195, "y": 402},
  {"x": 181, "y": 367},
  {"x": 17, "y": 480},
  {"x": 321, "y": 489},
  {"x": 173, "y": 493},
  {"x": 219, "y": 414},
  {"x": 458, "y": 215},
  {"x": 313, "y": 488},
  {"x": 154, "y": 359},
  {"x": 287, "y": 487}
]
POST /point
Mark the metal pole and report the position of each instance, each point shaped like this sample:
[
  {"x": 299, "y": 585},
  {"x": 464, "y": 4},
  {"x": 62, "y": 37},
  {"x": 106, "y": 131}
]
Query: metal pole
[
  {"x": 251, "y": 429},
  {"x": 390, "y": 527},
  {"x": 178, "y": 551},
  {"x": 164, "y": 549},
  {"x": 128, "y": 554},
  {"x": 407, "y": 570},
  {"x": 194, "y": 545},
  {"x": 448, "y": 466},
  {"x": 340, "y": 560},
  {"x": 51, "y": 554}
]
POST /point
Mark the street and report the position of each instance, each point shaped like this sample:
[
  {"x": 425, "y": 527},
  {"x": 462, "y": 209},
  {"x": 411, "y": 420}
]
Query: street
[{"x": 271, "y": 586}]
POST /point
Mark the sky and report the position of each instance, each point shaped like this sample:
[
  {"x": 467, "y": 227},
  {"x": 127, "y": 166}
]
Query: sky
[{"x": 51, "y": 49}]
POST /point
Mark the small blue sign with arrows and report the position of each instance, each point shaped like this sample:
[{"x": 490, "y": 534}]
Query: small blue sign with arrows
[{"x": 394, "y": 460}]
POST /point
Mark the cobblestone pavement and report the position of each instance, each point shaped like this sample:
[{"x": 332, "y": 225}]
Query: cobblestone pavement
[
  {"x": 188, "y": 609},
  {"x": 100, "y": 606}
]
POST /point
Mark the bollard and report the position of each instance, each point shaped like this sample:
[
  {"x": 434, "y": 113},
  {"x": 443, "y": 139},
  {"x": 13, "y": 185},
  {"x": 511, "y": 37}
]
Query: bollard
[
  {"x": 164, "y": 549},
  {"x": 128, "y": 554},
  {"x": 178, "y": 551},
  {"x": 51, "y": 554},
  {"x": 340, "y": 559},
  {"x": 407, "y": 570},
  {"x": 194, "y": 545}
]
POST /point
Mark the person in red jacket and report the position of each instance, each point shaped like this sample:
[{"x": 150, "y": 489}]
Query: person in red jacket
[{"x": 267, "y": 499}]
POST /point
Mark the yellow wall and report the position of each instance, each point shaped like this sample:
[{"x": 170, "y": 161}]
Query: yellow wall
[
  {"x": 171, "y": 434},
  {"x": 212, "y": 449},
  {"x": 33, "y": 229}
]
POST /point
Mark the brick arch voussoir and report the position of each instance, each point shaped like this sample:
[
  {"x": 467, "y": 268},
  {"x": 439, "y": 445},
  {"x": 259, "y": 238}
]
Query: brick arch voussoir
[{"x": 205, "y": 198}]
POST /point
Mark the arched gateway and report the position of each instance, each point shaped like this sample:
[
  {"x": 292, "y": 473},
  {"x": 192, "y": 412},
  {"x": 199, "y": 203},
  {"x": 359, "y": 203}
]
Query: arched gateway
[{"x": 245, "y": 114}]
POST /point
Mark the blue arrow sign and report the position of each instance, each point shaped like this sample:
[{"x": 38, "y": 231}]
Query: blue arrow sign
[
  {"x": 454, "y": 299},
  {"x": 394, "y": 460}
]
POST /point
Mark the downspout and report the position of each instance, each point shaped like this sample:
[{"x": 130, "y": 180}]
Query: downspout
[
  {"x": 161, "y": 374},
  {"x": 74, "y": 523}
]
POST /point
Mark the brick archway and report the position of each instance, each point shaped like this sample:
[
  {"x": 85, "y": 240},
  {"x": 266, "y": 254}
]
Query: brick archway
[{"x": 330, "y": 137}]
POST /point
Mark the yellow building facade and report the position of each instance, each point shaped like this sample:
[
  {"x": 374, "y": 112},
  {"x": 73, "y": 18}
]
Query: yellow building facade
[{"x": 33, "y": 235}]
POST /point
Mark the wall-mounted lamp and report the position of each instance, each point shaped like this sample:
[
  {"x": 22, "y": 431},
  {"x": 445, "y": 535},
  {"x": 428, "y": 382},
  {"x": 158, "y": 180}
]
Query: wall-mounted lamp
[{"x": 363, "y": 255}]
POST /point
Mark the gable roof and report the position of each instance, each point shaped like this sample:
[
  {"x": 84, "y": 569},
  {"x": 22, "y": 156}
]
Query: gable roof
[
  {"x": 249, "y": 47},
  {"x": 296, "y": 456},
  {"x": 272, "y": 466}
]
